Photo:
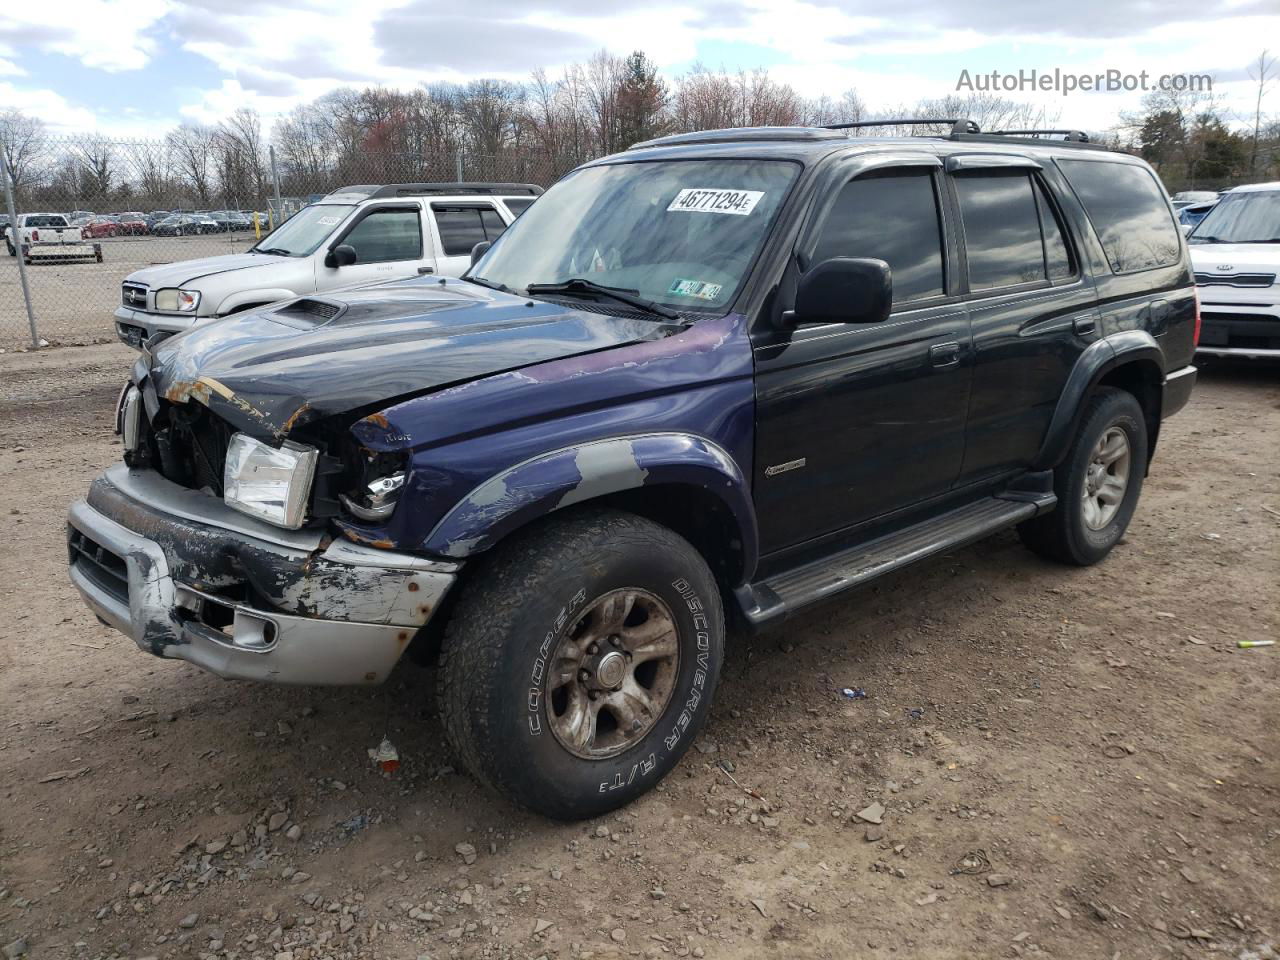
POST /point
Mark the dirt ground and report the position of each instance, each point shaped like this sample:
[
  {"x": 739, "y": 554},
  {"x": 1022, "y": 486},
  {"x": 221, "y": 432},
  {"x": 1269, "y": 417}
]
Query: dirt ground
[
  {"x": 1071, "y": 763},
  {"x": 73, "y": 301}
]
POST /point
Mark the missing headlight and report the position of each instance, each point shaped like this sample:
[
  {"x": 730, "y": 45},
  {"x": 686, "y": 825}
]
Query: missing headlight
[{"x": 378, "y": 499}]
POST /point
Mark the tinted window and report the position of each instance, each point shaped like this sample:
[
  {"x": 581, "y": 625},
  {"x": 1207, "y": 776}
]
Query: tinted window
[
  {"x": 46, "y": 221},
  {"x": 518, "y": 205},
  {"x": 493, "y": 224},
  {"x": 387, "y": 235},
  {"x": 460, "y": 229},
  {"x": 1057, "y": 255},
  {"x": 1128, "y": 211},
  {"x": 892, "y": 217},
  {"x": 1001, "y": 229}
]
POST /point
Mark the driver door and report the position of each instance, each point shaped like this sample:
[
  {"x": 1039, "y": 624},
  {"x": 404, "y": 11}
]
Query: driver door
[
  {"x": 389, "y": 243},
  {"x": 856, "y": 421}
]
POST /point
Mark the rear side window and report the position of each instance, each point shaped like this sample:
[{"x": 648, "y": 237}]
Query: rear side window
[
  {"x": 518, "y": 205},
  {"x": 1012, "y": 233},
  {"x": 1128, "y": 211},
  {"x": 892, "y": 217},
  {"x": 461, "y": 228},
  {"x": 1001, "y": 229}
]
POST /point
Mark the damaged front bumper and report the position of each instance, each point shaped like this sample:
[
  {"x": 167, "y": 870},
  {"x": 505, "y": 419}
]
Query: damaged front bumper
[{"x": 188, "y": 578}]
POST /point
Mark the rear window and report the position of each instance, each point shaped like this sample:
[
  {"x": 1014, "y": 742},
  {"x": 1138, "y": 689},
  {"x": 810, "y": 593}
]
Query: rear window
[
  {"x": 1128, "y": 211},
  {"x": 45, "y": 221}
]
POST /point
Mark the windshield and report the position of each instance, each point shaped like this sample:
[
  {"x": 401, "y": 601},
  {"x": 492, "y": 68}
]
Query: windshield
[
  {"x": 301, "y": 234},
  {"x": 1252, "y": 217},
  {"x": 681, "y": 233}
]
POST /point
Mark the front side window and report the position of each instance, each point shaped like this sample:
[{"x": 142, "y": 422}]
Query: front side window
[
  {"x": 1128, "y": 211},
  {"x": 1251, "y": 217},
  {"x": 682, "y": 233},
  {"x": 392, "y": 234},
  {"x": 891, "y": 216}
]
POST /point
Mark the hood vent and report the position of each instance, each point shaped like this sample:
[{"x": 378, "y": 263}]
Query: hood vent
[{"x": 310, "y": 311}]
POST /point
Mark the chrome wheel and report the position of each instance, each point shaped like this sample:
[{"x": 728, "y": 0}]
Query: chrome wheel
[
  {"x": 1106, "y": 478},
  {"x": 612, "y": 673}
]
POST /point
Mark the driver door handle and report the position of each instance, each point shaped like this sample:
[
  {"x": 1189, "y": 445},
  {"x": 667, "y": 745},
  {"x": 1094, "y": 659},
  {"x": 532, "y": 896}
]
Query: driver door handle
[{"x": 944, "y": 354}]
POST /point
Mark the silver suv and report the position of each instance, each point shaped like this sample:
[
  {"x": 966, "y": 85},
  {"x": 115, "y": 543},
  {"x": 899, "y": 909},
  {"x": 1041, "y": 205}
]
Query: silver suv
[{"x": 356, "y": 235}]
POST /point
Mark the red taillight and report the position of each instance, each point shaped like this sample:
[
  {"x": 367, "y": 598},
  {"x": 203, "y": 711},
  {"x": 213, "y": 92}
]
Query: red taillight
[
  {"x": 35, "y": 236},
  {"x": 1195, "y": 336}
]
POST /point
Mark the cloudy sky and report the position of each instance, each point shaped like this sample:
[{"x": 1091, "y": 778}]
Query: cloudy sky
[{"x": 137, "y": 67}]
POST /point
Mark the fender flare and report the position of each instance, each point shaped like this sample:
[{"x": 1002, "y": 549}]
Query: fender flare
[
  {"x": 575, "y": 474},
  {"x": 234, "y": 301},
  {"x": 1097, "y": 360}
]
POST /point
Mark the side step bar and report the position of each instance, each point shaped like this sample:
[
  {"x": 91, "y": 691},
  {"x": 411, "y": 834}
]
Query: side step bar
[{"x": 783, "y": 594}]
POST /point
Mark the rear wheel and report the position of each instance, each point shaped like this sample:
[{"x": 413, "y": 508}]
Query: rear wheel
[
  {"x": 13, "y": 252},
  {"x": 1098, "y": 484},
  {"x": 580, "y": 662},
  {"x": 178, "y": 232}
]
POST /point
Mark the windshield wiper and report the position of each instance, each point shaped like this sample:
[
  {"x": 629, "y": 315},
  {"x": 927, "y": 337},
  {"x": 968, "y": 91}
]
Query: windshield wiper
[
  {"x": 482, "y": 282},
  {"x": 580, "y": 287},
  {"x": 1198, "y": 239},
  {"x": 274, "y": 251}
]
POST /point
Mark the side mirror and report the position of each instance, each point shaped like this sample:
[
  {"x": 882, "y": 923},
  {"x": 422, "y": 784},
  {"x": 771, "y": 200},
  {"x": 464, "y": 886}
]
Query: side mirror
[
  {"x": 479, "y": 250},
  {"x": 843, "y": 290},
  {"x": 343, "y": 255}
]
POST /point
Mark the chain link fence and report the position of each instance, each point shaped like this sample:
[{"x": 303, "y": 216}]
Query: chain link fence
[{"x": 129, "y": 204}]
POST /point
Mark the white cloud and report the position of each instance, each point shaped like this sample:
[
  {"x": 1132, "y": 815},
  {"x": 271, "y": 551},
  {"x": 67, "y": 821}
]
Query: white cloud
[
  {"x": 59, "y": 114},
  {"x": 107, "y": 34},
  {"x": 10, "y": 69}
]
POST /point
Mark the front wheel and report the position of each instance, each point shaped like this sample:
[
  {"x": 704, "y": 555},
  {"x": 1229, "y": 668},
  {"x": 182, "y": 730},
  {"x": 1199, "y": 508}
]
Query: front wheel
[
  {"x": 1098, "y": 484},
  {"x": 580, "y": 662}
]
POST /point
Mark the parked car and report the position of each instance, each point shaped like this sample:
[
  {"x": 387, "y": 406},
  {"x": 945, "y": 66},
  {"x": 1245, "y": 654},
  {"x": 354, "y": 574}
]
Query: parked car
[
  {"x": 696, "y": 377},
  {"x": 1192, "y": 213},
  {"x": 99, "y": 227},
  {"x": 1187, "y": 197},
  {"x": 48, "y": 236},
  {"x": 184, "y": 225},
  {"x": 133, "y": 224},
  {"x": 81, "y": 214},
  {"x": 228, "y": 221},
  {"x": 356, "y": 235},
  {"x": 1235, "y": 250}
]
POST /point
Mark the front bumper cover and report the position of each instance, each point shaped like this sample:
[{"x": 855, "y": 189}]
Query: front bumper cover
[{"x": 189, "y": 579}]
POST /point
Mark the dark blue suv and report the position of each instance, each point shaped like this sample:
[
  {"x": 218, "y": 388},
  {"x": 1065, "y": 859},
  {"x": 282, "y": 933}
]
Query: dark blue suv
[{"x": 709, "y": 381}]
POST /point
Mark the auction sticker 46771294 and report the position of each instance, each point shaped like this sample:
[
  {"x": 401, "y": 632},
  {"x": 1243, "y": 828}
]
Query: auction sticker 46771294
[{"x": 715, "y": 200}]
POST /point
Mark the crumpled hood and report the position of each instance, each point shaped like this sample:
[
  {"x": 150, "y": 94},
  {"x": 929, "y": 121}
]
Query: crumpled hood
[
  {"x": 270, "y": 371},
  {"x": 187, "y": 271}
]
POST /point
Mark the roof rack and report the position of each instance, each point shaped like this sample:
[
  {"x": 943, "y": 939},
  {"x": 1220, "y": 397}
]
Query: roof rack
[
  {"x": 958, "y": 124},
  {"x": 1072, "y": 136},
  {"x": 377, "y": 191}
]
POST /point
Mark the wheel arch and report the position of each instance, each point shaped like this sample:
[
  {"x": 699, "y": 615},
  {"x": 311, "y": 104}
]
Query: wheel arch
[
  {"x": 685, "y": 482},
  {"x": 247, "y": 299},
  {"x": 1131, "y": 361}
]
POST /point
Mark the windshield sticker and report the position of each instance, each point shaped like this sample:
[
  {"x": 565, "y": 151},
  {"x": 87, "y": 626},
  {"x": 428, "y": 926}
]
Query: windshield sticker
[
  {"x": 715, "y": 200},
  {"x": 328, "y": 221},
  {"x": 698, "y": 289}
]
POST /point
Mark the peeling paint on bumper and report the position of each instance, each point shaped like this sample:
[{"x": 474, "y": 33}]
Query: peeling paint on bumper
[{"x": 242, "y": 607}]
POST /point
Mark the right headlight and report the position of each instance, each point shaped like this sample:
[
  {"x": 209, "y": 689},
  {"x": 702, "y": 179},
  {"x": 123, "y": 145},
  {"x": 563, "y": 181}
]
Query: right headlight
[{"x": 270, "y": 483}]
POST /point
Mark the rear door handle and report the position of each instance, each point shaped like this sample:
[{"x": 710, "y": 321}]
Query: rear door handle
[
  {"x": 944, "y": 354},
  {"x": 1084, "y": 325}
]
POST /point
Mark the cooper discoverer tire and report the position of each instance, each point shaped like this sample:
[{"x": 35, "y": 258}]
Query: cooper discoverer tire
[
  {"x": 580, "y": 662},
  {"x": 1098, "y": 483}
]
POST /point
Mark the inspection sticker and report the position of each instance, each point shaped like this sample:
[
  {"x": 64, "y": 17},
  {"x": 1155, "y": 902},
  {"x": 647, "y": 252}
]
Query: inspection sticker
[
  {"x": 327, "y": 221},
  {"x": 716, "y": 200},
  {"x": 699, "y": 289}
]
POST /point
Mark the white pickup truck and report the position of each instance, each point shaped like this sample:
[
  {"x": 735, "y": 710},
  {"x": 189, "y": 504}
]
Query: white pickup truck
[
  {"x": 49, "y": 236},
  {"x": 355, "y": 235}
]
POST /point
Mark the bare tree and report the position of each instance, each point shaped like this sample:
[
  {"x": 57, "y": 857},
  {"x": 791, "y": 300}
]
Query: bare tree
[
  {"x": 96, "y": 155},
  {"x": 25, "y": 143},
  {"x": 1260, "y": 71},
  {"x": 191, "y": 146}
]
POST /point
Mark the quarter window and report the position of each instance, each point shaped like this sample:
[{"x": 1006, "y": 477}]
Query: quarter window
[
  {"x": 389, "y": 234},
  {"x": 1128, "y": 211},
  {"x": 892, "y": 217}
]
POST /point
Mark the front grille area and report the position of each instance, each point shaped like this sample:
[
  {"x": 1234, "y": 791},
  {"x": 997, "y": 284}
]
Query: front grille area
[
  {"x": 1235, "y": 279},
  {"x": 134, "y": 295},
  {"x": 191, "y": 446},
  {"x": 99, "y": 564}
]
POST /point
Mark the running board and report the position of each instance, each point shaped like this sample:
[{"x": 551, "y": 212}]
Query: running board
[{"x": 785, "y": 593}]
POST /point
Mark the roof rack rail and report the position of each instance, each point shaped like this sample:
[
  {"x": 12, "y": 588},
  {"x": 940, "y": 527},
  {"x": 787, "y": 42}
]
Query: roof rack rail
[
  {"x": 958, "y": 125},
  {"x": 376, "y": 191},
  {"x": 1073, "y": 136}
]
